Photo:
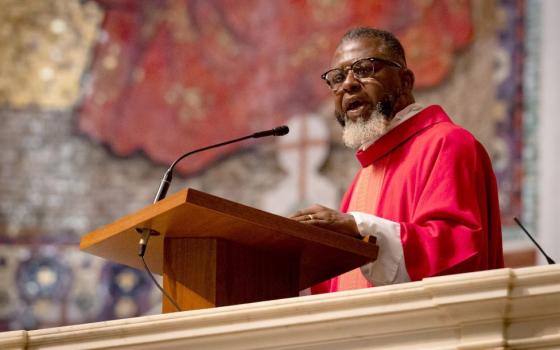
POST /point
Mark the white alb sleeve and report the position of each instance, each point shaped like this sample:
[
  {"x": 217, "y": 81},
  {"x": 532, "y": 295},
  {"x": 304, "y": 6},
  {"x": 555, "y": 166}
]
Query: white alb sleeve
[{"x": 389, "y": 268}]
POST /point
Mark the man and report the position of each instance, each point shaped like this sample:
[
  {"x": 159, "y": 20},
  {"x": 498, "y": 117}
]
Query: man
[{"x": 426, "y": 189}]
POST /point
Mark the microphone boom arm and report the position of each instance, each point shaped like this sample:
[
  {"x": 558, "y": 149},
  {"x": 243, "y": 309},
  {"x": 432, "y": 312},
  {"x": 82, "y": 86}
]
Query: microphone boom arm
[{"x": 168, "y": 176}]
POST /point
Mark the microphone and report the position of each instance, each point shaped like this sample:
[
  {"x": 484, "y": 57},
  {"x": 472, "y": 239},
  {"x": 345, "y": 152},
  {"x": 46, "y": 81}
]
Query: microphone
[
  {"x": 548, "y": 258},
  {"x": 278, "y": 131},
  {"x": 168, "y": 176}
]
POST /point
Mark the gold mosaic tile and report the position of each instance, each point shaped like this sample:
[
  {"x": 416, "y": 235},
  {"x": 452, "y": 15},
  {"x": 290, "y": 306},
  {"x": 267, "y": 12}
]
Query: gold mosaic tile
[{"x": 44, "y": 48}]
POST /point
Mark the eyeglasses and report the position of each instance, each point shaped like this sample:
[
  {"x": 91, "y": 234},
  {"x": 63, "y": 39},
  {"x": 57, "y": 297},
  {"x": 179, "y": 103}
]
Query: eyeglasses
[{"x": 361, "y": 69}]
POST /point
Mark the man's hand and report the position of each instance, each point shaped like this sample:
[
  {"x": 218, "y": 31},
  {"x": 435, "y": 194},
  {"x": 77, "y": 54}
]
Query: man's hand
[{"x": 328, "y": 218}]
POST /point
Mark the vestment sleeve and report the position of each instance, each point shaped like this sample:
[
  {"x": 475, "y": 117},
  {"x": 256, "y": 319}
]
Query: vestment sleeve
[
  {"x": 389, "y": 267},
  {"x": 448, "y": 231}
]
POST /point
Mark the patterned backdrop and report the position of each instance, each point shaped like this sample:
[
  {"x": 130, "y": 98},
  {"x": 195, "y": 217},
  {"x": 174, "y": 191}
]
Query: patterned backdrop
[{"x": 96, "y": 97}]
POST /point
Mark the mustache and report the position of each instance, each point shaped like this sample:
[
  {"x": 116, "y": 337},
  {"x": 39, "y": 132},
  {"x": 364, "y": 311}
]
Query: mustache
[{"x": 385, "y": 107}]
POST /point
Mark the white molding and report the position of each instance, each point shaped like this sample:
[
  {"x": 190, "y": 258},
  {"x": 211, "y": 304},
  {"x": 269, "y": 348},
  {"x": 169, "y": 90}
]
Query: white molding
[
  {"x": 498, "y": 309},
  {"x": 13, "y": 340}
]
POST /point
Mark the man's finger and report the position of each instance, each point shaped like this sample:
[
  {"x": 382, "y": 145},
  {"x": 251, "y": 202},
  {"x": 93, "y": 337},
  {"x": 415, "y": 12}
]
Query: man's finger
[{"x": 310, "y": 210}]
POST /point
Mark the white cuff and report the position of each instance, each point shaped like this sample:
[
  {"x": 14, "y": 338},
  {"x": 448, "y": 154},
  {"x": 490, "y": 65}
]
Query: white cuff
[{"x": 389, "y": 267}]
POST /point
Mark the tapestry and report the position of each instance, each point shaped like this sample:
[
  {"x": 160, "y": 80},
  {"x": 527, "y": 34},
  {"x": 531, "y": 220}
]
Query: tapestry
[{"x": 171, "y": 76}]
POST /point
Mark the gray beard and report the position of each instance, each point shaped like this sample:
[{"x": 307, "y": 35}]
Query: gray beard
[{"x": 356, "y": 133}]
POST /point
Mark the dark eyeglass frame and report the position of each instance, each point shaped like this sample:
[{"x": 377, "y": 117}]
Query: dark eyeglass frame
[{"x": 353, "y": 65}]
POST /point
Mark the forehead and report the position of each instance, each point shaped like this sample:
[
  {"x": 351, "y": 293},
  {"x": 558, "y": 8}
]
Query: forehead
[{"x": 351, "y": 50}]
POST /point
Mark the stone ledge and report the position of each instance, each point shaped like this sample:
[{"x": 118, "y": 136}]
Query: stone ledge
[{"x": 499, "y": 309}]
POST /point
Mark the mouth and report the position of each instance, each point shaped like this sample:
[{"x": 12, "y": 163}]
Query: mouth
[
  {"x": 354, "y": 105},
  {"x": 357, "y": 108}
]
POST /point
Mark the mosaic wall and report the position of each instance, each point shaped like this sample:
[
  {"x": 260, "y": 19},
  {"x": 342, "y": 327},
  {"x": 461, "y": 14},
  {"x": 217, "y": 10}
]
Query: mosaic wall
[{"x": 97, "y": 96}]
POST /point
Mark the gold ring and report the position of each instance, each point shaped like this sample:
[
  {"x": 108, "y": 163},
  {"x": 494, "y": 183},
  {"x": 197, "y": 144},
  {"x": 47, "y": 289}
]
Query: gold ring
[{"x": 310, "y": 216}]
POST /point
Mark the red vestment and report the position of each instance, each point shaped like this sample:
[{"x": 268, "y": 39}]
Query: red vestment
[{"x": 436, "y": 180}]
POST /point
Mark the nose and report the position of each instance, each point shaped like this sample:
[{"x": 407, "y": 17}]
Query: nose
[{"x": 350, "y": 84}]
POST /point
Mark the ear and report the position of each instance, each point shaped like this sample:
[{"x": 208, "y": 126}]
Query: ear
[{"x": 408, "y": 80}]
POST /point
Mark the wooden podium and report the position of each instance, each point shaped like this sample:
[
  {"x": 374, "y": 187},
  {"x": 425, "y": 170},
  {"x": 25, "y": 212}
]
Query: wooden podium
[{"x": 214, "y": 252}]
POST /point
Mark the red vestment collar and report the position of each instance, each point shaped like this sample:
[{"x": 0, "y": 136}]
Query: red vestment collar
[{"x": 395, "y": 137}]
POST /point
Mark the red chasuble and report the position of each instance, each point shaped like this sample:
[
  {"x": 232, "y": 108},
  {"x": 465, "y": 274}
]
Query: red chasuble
[{"x": 436, "y": 180}]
